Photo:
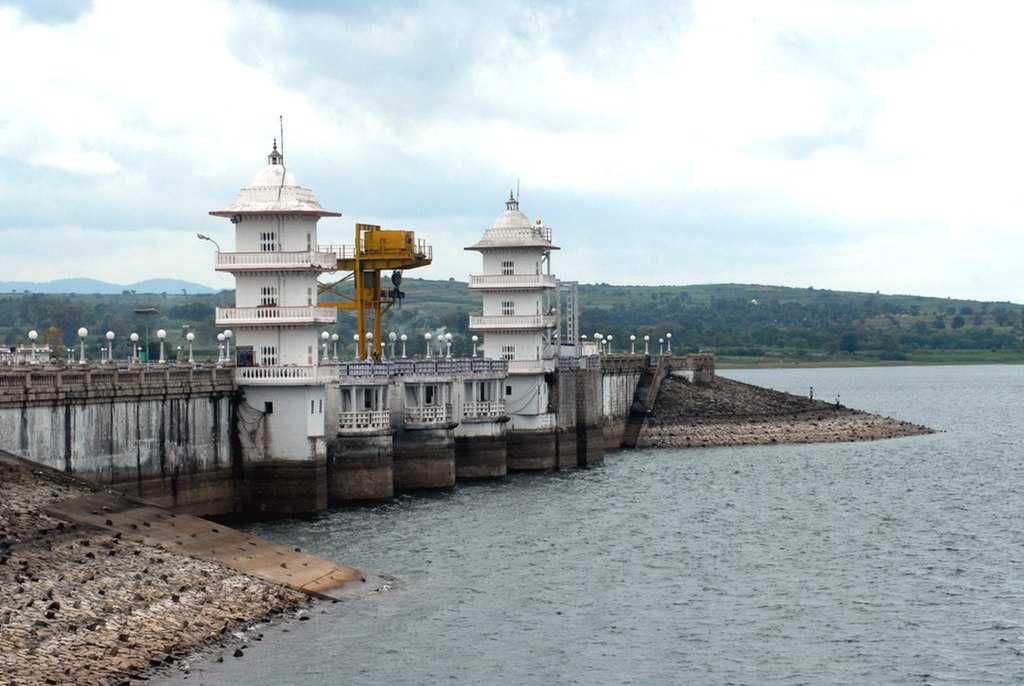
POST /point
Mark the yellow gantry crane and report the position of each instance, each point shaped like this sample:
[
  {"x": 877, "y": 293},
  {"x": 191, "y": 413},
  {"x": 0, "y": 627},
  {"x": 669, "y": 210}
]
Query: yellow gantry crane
[{"x": 374, "y": 251}]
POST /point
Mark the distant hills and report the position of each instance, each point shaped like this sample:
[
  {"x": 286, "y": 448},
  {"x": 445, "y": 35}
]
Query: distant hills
[{"x": 96, "y": 287}]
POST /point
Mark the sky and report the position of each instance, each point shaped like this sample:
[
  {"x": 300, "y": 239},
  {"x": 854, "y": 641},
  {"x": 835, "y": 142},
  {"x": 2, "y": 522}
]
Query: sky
[{"x": 856, "y": 145}]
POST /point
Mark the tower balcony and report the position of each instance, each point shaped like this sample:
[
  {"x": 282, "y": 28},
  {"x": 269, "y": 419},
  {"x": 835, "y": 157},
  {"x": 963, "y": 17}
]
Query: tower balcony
[
  {"x": 364, "y": 421},
  {"x": 428, "y": 416},
  {"x": 276, "y": 261},
  {"x": 291, "y": 375},
  {"x": 483, "y": 410},
  {"x": 512, "y": 322},
  {"x": 267, "y": 316},
  {"x": 512, "y": 281}
]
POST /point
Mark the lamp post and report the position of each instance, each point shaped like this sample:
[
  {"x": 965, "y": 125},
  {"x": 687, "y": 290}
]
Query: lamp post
[
  {"x": 647, "y": 345},
  {"x": 324, "y": 336},
  {"x": 609, "y": 339},
  {"x": 32, "y": 336},
  {"x": 207, "y": 238},
  {"x": 220, "y": 349},
  {"x": 228, "y": 333},
  {"x": 661, "y": 346},
  {"x": 427, "y": 336},
  {"x": 600, "y": 342},
  {"x": 82, "y": 333},
  {"x": 177, "y": 355},
  {"x": 334, "y": 341},
  {"x": 161, "y": 334},
  {"x": 475, "y": 339},
  {"x": 668, "y": 342},
  {"x": 190, "y": 337},
  {"x": 355, "y": 337},
  {"x": 632, "y": 344},
  {"x": 134, "y": 338},
  {"x": 110, "y": 346},
  {"x": 392, "y": 337},
  {"x": 448, "y": 342},
  {"x": 403, "y": 338},
  {"x": 369, "y": 346}
]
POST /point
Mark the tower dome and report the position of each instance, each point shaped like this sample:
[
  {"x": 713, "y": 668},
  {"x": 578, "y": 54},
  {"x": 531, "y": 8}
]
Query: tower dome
[{"x": 512, "y": 228}]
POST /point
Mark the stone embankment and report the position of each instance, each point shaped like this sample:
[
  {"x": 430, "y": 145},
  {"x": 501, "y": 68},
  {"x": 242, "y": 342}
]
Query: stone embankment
[
  {"x": 726, "y": 412},
  {"x": 89, "y": 604}
]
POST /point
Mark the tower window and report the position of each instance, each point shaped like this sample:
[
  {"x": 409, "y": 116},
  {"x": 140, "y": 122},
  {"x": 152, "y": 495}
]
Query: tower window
[
  {"x": 268, "y": 241},
  {"x": 508, "y": 352},
  {"x": 508, "y": 307},
  {"x": 508, "y": 267},
  {"x": 268, "y": 296}
]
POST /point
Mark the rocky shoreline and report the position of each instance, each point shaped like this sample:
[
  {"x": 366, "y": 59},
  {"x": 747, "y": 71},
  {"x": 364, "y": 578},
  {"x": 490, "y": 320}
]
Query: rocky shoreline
[
  {"x": 731, "y": 413},
  {"x": 82, "y": 605}
]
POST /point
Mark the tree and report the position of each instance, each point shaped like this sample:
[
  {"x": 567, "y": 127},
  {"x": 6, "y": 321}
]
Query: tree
[
  {"x": 958, "y": 322},
  {"x": 849, "y": 342}
]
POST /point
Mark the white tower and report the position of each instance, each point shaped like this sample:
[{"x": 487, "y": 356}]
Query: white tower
[
  {"x": 276, "y": 320},
  {"x": 520, "y": 313}
]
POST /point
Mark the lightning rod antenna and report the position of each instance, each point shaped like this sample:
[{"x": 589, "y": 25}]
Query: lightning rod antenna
[{"x": 284, "y": 165}]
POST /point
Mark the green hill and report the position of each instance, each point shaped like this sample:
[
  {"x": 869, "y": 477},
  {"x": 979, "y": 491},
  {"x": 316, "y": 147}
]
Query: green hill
[{"x": 744, "y": 324}]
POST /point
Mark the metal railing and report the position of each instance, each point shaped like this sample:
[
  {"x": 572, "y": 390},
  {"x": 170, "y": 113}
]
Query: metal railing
[
  {"x": 308, "y": 259},
  {"x": 15, "y": 382},
  {"x": 347, "y": 251},
  {"x": 512, "y": 281},
  {"x": 226, "y": 316},
  {"x": 433, "y": 367},
  {"x": 429, "y": 414},
  {"x": 483, "y": 408},
  {"x": 364, "y": 419},
  {"x": 513, "y": 321}
]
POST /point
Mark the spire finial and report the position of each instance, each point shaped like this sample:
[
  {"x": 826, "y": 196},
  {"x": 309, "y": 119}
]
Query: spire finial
[
  {"x": 275, "y": 157},
  {"x": 512, "y": 203}
]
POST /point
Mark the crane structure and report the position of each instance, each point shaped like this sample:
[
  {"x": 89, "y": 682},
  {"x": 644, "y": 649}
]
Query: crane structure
[{"x": 374, "y": 251}]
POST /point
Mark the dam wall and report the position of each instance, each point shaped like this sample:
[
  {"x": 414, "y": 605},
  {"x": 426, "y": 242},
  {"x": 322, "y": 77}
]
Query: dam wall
[
  {"x": 200, "y": 440},
  {"x": 162, "y": 434}
]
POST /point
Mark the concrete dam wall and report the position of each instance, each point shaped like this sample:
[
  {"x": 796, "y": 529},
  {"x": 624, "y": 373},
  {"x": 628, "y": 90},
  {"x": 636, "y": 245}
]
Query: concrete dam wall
[{"x": 188, "y": 439}]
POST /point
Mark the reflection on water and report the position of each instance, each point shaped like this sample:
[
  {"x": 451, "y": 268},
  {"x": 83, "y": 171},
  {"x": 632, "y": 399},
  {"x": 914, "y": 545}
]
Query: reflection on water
[{"x": 889, "y": 562}]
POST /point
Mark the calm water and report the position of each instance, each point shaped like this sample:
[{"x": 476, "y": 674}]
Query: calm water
[{"x": 890, "y": 562}]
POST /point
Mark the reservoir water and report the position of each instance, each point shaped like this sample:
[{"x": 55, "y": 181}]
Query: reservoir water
[{"x": 895, "y": 562}]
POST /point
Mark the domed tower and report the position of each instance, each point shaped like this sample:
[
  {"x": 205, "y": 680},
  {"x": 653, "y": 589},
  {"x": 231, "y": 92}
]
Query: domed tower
[
  {"x": 276, "y": 320},
  {"x": 520, "y": 311}
]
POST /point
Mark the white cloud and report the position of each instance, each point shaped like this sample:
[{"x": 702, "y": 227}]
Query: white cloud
[{"x": 864, "y": 145}]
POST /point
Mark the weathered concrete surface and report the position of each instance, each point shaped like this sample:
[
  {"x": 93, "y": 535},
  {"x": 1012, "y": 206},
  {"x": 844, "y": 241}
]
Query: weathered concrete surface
[
  {"x": 531, "y": 451},
  {"x": 726, "y": 412},
  {"x": 481, "y": 457},
  {"x": 87, "y": 602},
  {"x": 424, "y": 458},
  {"x": 360, "y": 469}
]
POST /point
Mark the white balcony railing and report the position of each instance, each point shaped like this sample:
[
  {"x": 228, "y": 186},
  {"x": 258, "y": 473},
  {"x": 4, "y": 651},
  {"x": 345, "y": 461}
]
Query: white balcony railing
[
  {"x": 284, "y": 375},
  {"x": 512, "y": 281},
  {"x": 364, "y": 420},
  {"x": 504, "y": 322},
  {"x": 531, "y": 366},
  {"x": 228, "y": 316},
  {"x": 483, "y": 409},
  {"x": 242, "y": 261},
  {"x": 429, "y": 414}
]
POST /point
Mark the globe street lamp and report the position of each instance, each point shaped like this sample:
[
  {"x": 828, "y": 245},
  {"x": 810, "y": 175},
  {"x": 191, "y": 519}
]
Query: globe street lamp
[
  {"x": 82, "y": 333},
  {"x": 448, "y": 341},
  {"x": 110, "y": 346},
  {"x": 161, "y": 334},
  {"x": 609, "y": 339},
  {"x": 334, "y": 341},
  {"x": 427, "y": 336},
  {"x": 632, "y": 344},
  {"x": 403, "y": 338},
  {"x": 392, "y": 337},
  {"x": 32, "y": 336},
  {"x": 324, "y": 336},
  {"x": 134, "y": 338},
  {"x": 668, "y": 342},
  {"x": 647, "y": 345},
  {"x": 661, "y": 346},
  {"x": 190, "y": 337},
  {"x": 228, "y": 333},
  {"x": 221, "y": 357},
  {"x": 369, "y": 346},
  {"x": 355, "y": 337},
  {"x": 475, "y": 338}
]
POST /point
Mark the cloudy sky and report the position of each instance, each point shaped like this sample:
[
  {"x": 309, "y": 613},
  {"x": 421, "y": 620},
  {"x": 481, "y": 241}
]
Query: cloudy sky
[{"x": 863, "y": 144}]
